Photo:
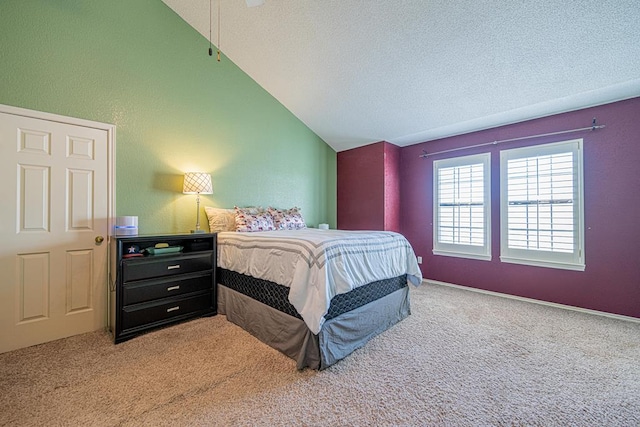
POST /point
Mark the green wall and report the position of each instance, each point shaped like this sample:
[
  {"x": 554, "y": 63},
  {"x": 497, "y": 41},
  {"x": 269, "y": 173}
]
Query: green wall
[{"x": 138, "y": 65}]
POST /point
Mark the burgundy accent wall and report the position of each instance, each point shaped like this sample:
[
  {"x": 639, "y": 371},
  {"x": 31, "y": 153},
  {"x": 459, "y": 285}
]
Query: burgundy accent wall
[
  {"x": 611, "y": 280},
  {"x": 369, "y": 188},
  {"x": 391, "y": 187},
  {"x": 360, "y": 189}
]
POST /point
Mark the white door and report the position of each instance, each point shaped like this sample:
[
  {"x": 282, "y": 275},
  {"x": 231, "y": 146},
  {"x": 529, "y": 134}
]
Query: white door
[{"x": 53, "y": 263}]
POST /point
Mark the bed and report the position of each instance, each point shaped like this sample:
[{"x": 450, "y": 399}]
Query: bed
[{"x": 315, "y": 295}]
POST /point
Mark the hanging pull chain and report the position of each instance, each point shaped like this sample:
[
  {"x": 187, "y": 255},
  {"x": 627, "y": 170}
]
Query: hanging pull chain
[
  {"x": 210, "y": 46},
  {"x": 218, "y": 30}
]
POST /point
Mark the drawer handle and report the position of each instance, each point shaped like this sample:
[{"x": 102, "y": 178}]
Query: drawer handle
[
  {"x": 169, "y": 310},
  {"x": 173, "y": 267},
  {"x": 173, "y": 288}
]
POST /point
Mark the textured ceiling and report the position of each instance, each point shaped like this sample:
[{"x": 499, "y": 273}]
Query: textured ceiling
[{"x": 408, "y": 71}]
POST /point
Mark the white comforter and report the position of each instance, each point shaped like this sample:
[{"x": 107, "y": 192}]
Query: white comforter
[{"x": 318, "y": 264}]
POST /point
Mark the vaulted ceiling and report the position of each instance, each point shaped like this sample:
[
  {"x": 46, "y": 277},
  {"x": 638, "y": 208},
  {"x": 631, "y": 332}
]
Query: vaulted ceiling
[{"x": 408, "y": 71}]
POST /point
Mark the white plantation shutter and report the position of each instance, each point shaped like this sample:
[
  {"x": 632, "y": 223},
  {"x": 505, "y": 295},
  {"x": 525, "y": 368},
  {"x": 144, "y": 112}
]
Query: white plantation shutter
[
  {"x": 461, "y": 195},
  {"x": 541, "y": 205},
  {"x": 461, "y": 207}
]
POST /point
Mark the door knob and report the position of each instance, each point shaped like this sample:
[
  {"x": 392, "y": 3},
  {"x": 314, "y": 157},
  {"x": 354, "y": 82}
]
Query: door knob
[{"x": 99, "y": 239}]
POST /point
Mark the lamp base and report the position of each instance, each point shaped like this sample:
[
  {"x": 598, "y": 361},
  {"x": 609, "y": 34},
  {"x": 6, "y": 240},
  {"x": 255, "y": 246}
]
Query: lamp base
[{"x": 197, "y": 231}]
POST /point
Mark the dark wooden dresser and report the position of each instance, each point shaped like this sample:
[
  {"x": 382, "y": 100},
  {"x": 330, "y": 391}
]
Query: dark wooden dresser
[{"x": 162, "y": 286}]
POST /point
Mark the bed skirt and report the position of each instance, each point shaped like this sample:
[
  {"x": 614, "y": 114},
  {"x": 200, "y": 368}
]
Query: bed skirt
[{"x": 339, "y": 336}]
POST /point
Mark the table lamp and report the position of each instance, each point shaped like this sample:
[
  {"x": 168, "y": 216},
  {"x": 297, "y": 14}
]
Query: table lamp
[{"x": 197, "y": 183}]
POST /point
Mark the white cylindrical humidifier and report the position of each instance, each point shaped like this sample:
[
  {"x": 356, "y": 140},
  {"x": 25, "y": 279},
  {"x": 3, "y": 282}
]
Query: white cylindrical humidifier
[{"x": 126, "y": 226}]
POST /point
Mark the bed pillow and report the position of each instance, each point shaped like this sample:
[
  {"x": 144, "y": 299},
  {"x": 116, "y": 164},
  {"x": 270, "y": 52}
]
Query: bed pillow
[
  {"x": 248, "y": 219},
  {"x": 287, "y": 219},
  {"x": 221, "y": 219}
]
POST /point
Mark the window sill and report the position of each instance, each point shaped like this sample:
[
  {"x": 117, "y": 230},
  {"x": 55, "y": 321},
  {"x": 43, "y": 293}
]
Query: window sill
[
  {"x": 547, "y": 264},
  {"x": 481, "y": 257}
]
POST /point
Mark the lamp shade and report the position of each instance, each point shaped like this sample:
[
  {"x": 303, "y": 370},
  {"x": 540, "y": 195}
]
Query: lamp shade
[{"x": 197, "y": 183}]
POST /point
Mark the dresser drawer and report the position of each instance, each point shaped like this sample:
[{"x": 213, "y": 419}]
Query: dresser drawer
[
  {"x": 156, "y": 312},
  {"x": 147, "y": 290},
  {"x": 165, "y": 265}
]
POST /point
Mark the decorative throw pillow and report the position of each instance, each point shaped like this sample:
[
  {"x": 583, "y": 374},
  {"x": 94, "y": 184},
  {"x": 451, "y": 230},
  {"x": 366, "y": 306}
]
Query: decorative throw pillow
[
  {"x": 287, "y": 219},
  {"x": 247, "y": 220},
  {"x": 253, "y": 209},
  {"x": 221, "y": 219}
]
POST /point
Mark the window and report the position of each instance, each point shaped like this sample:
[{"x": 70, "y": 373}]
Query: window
[
  {"x": 462, "y": 207},
  {"x": 541, "y": 207}
]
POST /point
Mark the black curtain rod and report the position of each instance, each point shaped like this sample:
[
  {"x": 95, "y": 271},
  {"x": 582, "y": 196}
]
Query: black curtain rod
[{"x": 592, "y": 128}]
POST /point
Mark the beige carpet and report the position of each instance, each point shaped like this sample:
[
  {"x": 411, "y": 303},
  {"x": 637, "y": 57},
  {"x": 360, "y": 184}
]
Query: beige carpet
[{"x": 461, "y": 359}]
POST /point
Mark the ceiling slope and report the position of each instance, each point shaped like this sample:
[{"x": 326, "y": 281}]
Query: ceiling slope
[{"x": 409, "y": 71}]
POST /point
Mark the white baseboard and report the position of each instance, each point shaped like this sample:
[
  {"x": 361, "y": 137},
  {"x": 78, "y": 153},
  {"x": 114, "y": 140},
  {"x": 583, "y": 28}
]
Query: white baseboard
[{"x": 535, "y": 301}]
